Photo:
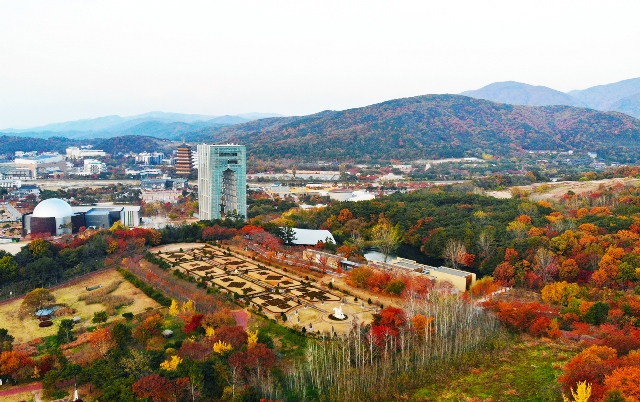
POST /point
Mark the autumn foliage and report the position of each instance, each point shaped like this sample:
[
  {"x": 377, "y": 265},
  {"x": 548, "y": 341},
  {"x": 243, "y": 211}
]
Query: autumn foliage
[
  {"x": 16, "y": 365},
  {"x": 161, "y": 389}
]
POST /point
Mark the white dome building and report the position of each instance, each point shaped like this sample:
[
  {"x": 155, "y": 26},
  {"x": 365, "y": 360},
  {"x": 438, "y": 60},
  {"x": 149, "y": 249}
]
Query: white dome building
[
  {"x": 54, "y": 217},
  {"x": 57, "y": 209},
  {"x": 53, "y": 207}
]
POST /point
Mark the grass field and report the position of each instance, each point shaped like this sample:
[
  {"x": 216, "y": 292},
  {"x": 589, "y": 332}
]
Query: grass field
[
  {"x": 27, "y": 329},
  {"x": 525, "y": 370}
]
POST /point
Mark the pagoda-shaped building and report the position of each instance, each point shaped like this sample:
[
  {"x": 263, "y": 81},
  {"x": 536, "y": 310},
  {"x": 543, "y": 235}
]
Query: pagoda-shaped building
[{"x": 184, "y": 165}]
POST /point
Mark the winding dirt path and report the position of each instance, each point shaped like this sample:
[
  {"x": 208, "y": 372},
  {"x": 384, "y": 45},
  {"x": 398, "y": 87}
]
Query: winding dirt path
[{"x": 21, "y": 389}]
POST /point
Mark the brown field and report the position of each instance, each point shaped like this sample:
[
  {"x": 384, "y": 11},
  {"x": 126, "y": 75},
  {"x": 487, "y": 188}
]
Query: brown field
[
  {"x": 27, "y": 329},
  {"x": 558, "y": 189}
]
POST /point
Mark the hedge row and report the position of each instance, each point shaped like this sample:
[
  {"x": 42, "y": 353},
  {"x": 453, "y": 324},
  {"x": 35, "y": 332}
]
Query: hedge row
[
  {"x": 155, "y": 260},
  {"x": 148, "y": 290}
]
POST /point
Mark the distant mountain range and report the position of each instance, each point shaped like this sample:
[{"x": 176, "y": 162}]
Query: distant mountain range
[
  {"x": 434, "y": 126},
  {"x": 157, "y": 124},
  {"x": 623, "y": 96},
  {"x": 421, "y": 127}
]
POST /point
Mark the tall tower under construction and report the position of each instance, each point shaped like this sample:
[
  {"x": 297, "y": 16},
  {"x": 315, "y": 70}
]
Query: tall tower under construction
[
  {"x": 222, "y": 181},
  {"x": 184, "y": 166}
]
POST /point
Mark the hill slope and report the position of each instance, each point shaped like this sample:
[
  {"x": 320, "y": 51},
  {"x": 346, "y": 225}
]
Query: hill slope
[
  {"x": 623, "y": 96},
  {"x": 517, "y": 93},
  {"x": 629, "y": 105},
  {"x": 603, "y": 97},
  {"x": 160, "y": 124},
  {"x": 434, "y": 126}
]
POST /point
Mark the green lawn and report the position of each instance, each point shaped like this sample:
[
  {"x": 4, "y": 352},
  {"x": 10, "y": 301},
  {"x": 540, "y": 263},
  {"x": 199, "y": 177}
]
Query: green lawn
[{"x": 525, "y": 369}]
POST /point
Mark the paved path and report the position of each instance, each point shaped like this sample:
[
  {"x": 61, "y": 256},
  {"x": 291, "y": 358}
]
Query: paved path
[
  {"x": 21, "y": 389},
  {"x": 490, "y": 295}
]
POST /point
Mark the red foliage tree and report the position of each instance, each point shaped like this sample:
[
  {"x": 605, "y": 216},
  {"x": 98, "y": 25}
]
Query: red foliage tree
[
  {"x": 235, "y": 335},
  {"x": 519, "y": 317},
  {"x": 195, "y": 350},
  {"x": 511, "y": 256},
  {"x": 590, "y": 365},
  {"x": 504, "y": 274},
  {"x": 161, "y": 389},
  {"x": 623, "y": 340},
  {"x": 256, "y": 361},
  {"x": 193, "y": 324},
  {"x": 392, "y": 317},
  {"x": 46, "y": 363}
]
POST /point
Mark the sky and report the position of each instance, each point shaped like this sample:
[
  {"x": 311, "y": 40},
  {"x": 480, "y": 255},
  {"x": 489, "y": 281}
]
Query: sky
[{"x": 72, "y": 59}]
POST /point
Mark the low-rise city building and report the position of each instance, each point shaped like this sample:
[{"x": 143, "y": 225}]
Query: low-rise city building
[
  {"x": 163, "y": 190},
  {"x": 92, "y": 166},
  {"x": 38, "y": 165},
  {"x": 150, "y": 158},
  {"x": 83, "y": 152}
]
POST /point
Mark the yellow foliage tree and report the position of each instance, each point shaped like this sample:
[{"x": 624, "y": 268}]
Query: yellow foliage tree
[
  {"x": 39, "y": 248},
  {"x": 581, "y": 394},
  {"x": 117, "y": 225},
  {"x": 209, "y": 332},
  {"x": 175, "y": 307},
  {"x": 252, "y": 338},
  {"x": 481, "y": 215},
  {"x": 560, "y": 292},
  {"x": 221, "y": 347},
  {"x": 518, "y": 229},
  {"x": 171, "y": 364},
  {"x": 188, "y": 306}
]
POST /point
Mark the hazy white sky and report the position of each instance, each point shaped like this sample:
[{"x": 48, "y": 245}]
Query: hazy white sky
[{"x": 66, "y": 60}]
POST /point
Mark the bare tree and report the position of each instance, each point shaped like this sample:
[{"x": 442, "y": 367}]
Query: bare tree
[
  {"x": 454, "y": 252},
  {"x": 365, "y": 366},
  {"x": 485, "y": 243},
  {"x": 358, "y": 241},
  {"x": 545, "y": 264}
]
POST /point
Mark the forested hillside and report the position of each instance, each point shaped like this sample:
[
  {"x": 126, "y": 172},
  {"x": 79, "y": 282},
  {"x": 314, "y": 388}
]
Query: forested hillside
[
  {"x": 11, "y": 144},
  {"x": 434, "y": 126}
]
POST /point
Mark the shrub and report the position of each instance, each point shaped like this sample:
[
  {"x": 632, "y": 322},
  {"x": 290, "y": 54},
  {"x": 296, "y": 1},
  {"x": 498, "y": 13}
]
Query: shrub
[
  {"x": 128, "y": 316},
  {"x": 597, "y": 314},
  {"x": 99, "y": 317},
  {"x": 98, "y": 295},
  {"x": 148, "y": 290}
]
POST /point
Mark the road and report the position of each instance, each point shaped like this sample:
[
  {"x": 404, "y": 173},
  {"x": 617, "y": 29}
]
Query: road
[
  {"x": 14, "y": 213},
  {"x": 57, "y": 184}
]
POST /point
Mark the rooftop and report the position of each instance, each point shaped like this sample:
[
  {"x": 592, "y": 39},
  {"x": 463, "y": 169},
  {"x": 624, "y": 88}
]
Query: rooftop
[{"x": 410, "y": 264}]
